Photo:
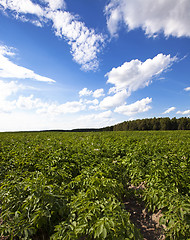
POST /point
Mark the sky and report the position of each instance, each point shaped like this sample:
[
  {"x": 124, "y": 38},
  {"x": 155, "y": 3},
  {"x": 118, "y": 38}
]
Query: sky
[{"x": 67, "y": 64}]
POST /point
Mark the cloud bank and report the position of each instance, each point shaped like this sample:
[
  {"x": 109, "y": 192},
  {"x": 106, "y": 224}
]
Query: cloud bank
[{"x": 170, "y": 17}]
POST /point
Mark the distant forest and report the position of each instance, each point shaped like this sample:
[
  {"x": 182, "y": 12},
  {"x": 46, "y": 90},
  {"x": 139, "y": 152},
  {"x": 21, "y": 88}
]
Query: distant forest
[
  {"x": 139, "y": 125},
  {"x": 151, "y": 124}
]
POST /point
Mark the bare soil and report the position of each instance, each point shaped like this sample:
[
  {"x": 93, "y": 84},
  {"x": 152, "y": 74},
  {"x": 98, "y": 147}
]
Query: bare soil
[{"x": 147, "y": 222}]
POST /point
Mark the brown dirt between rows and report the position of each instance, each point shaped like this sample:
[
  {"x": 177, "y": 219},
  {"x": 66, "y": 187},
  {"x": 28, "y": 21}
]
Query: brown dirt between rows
[{"x": 145, "y": 221}]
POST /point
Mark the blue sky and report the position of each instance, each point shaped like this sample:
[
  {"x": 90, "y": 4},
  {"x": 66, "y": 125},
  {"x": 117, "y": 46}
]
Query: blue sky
[{"x": 79, "y": 64}]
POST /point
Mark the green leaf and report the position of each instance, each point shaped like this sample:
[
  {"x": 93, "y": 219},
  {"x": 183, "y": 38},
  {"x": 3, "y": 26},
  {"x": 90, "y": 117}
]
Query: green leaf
[{"x": 104, "y": 233}]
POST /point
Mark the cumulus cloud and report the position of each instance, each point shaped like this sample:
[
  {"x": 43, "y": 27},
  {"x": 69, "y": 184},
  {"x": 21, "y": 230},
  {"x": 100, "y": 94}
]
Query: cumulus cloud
[
  {"x": 187, "y": 89},
  {"x": 170, "y": 17},
  {"x": 22, "y": 6},
  {"x": 8, "y": 69},
  {"x": 98, "y": 93},
  {"x": 136, "y": 74},
  {"x": 9, "y": 92},
  {"x": 9, "y": 101},
  {"x": 85, "y": 92},
  {"x": 96, "y": 120},
  {"x": 12, "y": 101},
  {"x": 134, "y": 108},
  {"x": 8, "y": 89},
  {"x": 68, "y": 107},
  {"x": 85, "y": 43},
  {"x": 106, "y": 114},
  {"x": 55, "y": 4},
  {"x": 94, "y": 107},
  {"x": 169, "y": 110},
  {"x": 93, "y": 102},
  {"x": 114, "y": 16},
  {"x": 114, "y": 101},
  {"x": 51, "y": 109},
  {"x": 30, "y": 102},
  {"x": 186, "y": 112}
]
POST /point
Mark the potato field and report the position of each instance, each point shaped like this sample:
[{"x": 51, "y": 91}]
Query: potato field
[{"x": 73, "y": 186}]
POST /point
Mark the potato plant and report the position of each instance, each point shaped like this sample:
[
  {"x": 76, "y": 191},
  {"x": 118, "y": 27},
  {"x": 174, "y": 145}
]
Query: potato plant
[{"x": 72, "y": 185}]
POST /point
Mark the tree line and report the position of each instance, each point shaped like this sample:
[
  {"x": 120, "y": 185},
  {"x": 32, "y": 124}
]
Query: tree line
[{"x": 151, "y": 124}]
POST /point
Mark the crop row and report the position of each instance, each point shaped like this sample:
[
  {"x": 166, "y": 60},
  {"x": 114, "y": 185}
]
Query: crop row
[{"x": 72, "y": 185}]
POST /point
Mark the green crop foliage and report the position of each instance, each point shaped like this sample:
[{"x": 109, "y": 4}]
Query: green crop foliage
[{"x": 73, "y": 185}]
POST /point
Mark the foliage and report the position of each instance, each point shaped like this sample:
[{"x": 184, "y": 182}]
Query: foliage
[
  {"x": 73, "y": 185},
  {"x": 152, "y": 124}
]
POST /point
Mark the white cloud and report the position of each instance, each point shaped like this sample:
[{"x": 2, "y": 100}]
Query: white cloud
[
  {"x": 7, "y": 51},
  {"x": 93, "y": 102},
  {"x": 170, "y": 17},
  {"x": 85, "y": 43},
  {"x": 30, "y": 102},
  {"x": 85, "y": 92},
  {"x": 98, "y": 93},
  {"x": 114, "y": 101},
  {"x": 68, "y": 107},
  {"x": 6, "y": 106},
  {"x": 186, "y": 112},
  {"x": 55, "y": 4},
  {"x": 96, "y": 120},
  {"x": 134, "y": 108},
  {"x": 187, "y": 89},
  {"x": 8, "y": 88},
  {"x": 114, "y": 15},
  {"x": 36, "y": 22},
  {"x": 25, "y": 121},
  {"x": 19, "y": 112},
  {"x": 169, "y": 110},
  {"x": 8, "y": 69},
  {"x": 9, "y": 102},
  {"x": 22, "y": 6},
  {"x": 94, "y": 107},
  {"x": 106, "y": 114},
  {"x": 136, "y": 74}
]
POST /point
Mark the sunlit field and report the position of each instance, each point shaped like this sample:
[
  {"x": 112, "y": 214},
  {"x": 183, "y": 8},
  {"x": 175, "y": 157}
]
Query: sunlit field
[{"x": 74, "y": 185}]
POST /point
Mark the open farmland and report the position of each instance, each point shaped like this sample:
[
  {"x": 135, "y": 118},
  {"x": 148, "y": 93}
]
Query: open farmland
[{"x": 75, "y": 185}]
